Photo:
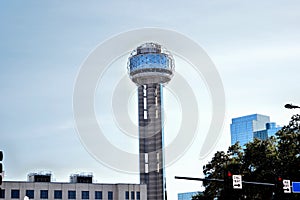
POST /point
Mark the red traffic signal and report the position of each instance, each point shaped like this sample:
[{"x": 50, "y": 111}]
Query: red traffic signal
[
  {"x": 229, "y": 174},
  {"x": 279, "y": 179}
]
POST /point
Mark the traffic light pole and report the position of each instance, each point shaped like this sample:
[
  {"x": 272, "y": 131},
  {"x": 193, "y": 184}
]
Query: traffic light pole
[
  {"x": 198, "y": 179},
  {"x": 1, "y": 168},
  {"x": 228, "y": 185},
  {"x": 222, "y": 180}
]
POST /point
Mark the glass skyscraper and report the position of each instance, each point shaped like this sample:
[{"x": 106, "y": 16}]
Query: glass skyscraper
[
  {"x": 244, "y": 129},
  {"x": 187, "y": 195}
]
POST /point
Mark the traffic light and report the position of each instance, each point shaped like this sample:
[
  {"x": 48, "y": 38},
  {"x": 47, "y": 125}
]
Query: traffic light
[
  {"x": 278, "y": 188},
  {"x": 228, "y": 186},
  {"x": 1, "y": 166},
  {"x": 228, "y": 177},
  {"x": 279, "y": 184}
]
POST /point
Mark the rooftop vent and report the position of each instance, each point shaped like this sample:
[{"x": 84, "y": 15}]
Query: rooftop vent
[
  {"x": 81, "y": 178},
  {"x": 40, "y": 177}
]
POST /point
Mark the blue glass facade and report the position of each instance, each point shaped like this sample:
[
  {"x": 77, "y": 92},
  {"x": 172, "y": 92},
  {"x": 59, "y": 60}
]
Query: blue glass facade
[
  {"x": 245, "y": 129},
  {"x": 270, "y": 130},
  {"x": 149, "y": 58},
  {"x": 187, "y": 195},
  {"x": 242, "y": 128}
]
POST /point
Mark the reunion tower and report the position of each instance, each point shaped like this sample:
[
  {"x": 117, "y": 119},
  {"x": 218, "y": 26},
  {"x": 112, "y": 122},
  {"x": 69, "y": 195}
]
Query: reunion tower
[{"x": 150, "y": 67}]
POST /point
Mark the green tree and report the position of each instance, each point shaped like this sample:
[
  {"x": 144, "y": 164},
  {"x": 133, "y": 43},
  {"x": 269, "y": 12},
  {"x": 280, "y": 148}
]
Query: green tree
[
  {"x": 260, "y": 161},
  {"x": 217, "y": 169},
  {"x": 199, "y": 196},
  {"x": 288, "y": 163}
]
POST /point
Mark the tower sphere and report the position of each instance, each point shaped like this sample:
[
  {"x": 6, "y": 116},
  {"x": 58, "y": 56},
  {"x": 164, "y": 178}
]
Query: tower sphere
[{"x": 150, "y": 63}]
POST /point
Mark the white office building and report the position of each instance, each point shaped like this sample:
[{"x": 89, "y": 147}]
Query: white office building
[{"x": 39, "y": 187}]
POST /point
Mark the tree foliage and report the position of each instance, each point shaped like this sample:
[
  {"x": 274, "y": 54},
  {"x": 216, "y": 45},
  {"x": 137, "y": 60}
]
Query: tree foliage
[
  {"x": 259, "y": 161},
  {"x": 199, "y": 196}
]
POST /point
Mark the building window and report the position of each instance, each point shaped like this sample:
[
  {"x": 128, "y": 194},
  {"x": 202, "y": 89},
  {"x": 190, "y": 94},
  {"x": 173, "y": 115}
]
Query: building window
[
  {"x": 44, "y": 194},
  {"x": 146, "y": 157},
  {"x": 110, "y": 195},
  {"x": 72, "y": 194},
  {"x": 57, "y": 194},
  {"x": 127, "y": 195},
  {"x": 85, "y": 195},
  {"x": 98, "y": 194},
  {"x": 132, "y": 195},
  {"x": 2, "y": 194},
  {"x": 30, "y": 194},
  {"x": 15, "y": 194},
  {"x": 145, "y": 103},
  {"x": 146, "y": 168},
  {"x": 138, "y": 195}
]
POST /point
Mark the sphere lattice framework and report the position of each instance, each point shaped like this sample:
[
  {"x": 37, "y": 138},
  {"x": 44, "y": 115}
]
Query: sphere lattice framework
[{"x": 150, "y": 63}]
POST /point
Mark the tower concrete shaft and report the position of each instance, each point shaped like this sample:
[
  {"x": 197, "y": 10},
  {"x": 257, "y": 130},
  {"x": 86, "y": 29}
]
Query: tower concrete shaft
[{"x": 151, "y": 140}]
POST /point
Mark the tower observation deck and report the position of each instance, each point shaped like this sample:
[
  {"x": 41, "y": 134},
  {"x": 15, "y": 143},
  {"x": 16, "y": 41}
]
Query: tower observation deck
[{"x": 151, "y": 66}]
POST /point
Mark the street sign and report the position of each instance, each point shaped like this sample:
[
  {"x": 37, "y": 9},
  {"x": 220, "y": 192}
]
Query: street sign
[
  {"x": 237, "y": 181},
  {"x": 286, "y": 186},
  {"x": 296, "y": 187}
]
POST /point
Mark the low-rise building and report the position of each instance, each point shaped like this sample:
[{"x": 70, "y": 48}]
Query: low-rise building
[{"x": 40, "y": 186}]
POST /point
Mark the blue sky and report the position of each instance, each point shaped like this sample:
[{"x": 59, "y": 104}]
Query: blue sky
[{"x": 254, "y": 45}]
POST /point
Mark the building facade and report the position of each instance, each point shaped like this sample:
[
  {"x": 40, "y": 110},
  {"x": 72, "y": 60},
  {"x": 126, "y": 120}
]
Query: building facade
[
  {"x": 40, "y": 189},
  {"x": 150, "y": 66},
  {"x": 270, "y": 130},
  {"x": 244, "y": 129},
  {"x": 186, "y": 195}
]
